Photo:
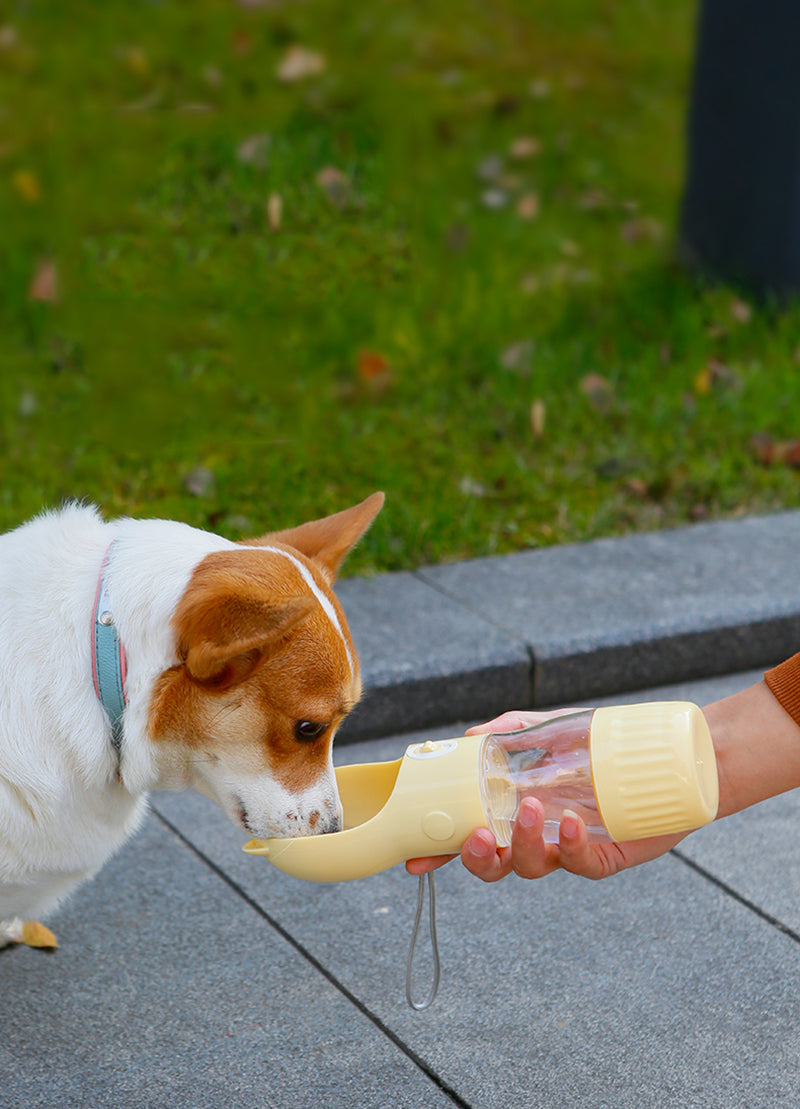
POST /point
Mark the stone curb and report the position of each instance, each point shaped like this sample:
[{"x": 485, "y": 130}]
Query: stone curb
[{"x": 560, "y": 624}]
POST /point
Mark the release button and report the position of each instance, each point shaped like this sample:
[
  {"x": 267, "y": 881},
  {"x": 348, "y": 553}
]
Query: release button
[{"x": 438, "y": 825}]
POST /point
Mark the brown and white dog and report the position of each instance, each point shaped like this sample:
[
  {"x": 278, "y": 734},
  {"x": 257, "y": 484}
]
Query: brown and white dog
[{"x": 234, "y": 668}]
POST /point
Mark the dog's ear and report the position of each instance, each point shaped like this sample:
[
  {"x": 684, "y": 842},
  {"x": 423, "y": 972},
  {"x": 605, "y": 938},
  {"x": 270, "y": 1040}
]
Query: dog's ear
[
  {"x": 222, "y": 634},
  {"x": 328, "y": 541}
]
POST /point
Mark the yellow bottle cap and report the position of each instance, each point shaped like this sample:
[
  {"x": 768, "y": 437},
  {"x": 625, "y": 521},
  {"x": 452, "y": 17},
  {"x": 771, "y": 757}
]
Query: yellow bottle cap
[{"x": 653, "y": 768}]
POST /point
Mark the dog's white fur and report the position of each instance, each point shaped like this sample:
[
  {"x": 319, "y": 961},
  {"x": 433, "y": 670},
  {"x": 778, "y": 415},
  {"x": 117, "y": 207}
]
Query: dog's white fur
[{"x": 65, "y": 804}]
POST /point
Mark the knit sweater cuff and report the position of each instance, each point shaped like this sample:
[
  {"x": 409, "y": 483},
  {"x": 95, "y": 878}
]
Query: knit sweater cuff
[{"x": 784, "y": 681}]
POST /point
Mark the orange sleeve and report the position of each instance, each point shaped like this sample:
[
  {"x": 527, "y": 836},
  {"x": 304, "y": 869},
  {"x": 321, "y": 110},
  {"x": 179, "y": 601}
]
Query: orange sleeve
[{"x": 784, "y": 681}]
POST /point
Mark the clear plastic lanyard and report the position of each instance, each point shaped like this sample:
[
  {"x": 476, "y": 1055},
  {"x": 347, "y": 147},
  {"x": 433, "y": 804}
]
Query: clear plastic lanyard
[{"x": 420, "y": 1005}]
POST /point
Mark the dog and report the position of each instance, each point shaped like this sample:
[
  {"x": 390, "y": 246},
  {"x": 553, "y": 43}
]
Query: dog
[{"x": 140, "y": 655}]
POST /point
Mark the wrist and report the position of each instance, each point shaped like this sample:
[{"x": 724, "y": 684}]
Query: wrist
[{"x": 757, "y": 744}]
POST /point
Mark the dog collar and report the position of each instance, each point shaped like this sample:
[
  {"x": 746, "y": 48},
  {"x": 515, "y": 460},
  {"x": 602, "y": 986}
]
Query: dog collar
[{"x": 108, "y": 659}]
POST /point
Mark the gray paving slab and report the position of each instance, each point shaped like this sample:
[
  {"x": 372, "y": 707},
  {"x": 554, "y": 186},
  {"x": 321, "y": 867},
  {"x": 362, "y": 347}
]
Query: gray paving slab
[
  {"x": 426, "y": 657},
  {"x": 660, "y": 987},
  {"x": 576, "y": 621},
  {"x": 169, "y": 990}
]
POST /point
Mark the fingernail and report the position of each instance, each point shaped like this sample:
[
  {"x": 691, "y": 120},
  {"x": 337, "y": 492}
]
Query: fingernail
[
  {"x": 480, "y": 847},
  {"x": 528, "y": 814},
  {"x": 569, "y": 824}
]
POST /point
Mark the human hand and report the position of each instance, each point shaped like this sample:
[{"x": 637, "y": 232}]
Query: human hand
[{"x": 529, "y": 856}]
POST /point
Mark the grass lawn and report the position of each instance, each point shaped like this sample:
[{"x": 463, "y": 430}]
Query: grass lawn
[{"x": 431, "y": 251}]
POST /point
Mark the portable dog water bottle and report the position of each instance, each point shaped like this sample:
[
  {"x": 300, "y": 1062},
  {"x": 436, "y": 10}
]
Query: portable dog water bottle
[{"x": 629, "y": 771}]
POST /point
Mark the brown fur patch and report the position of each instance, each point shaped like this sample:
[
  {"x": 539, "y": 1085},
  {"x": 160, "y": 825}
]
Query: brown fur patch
[{"x": 257, "y": 654}]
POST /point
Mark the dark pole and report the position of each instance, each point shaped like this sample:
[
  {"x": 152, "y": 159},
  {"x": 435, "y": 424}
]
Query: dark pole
[{"x": 741, "y": 209}]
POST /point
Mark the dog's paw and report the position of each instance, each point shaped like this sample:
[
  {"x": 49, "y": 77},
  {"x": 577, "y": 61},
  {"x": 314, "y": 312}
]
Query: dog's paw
[
  {"x": 29, "y": 932},
  {"x": 11, "y": 931}
]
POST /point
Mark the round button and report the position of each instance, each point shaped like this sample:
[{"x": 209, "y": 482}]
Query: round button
[{"x": 438, "y": 825}]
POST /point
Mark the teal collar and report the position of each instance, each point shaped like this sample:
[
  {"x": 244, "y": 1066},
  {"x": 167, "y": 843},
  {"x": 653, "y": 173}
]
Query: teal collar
[{"x": 108, "y": 659}]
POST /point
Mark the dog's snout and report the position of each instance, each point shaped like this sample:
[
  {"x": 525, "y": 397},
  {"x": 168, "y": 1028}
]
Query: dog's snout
[{"x": 323, "y": 824}]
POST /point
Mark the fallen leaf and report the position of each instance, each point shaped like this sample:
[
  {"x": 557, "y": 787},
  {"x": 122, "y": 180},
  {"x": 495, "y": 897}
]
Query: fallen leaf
[
  {"x": 518, "y": 356},
  {"x": 136, "y": 61},
  {"x": 274, "y": 211},
  {"x": 494, "y": 198},
  {"x": 764, "y": 447},
  {"x": 538, "y": 414},
  {"x": 715, "y": 375},
  {"x": 471, "y": 488},
  {"x": 27, "y": 185},
  {"x": 254, "y": 150},
  {"x": 599, "y": 391},
  {"x": 642, "y": 230},
  {"x": 703, "y": 382},
  {"x": 371, "y": 364},
  {"x": 791, "y": 454},
  {"x": 8, "y": 37},
  {"x": 768, "y": 451},
  {"x": 374, "y": 371},
  {"x": 528, "y": 206},
  {"x": 525, "y": 147},
  {"x": 336, "y": 186},
  {"x": 35, "y": 934},
  {"x": 741, "y": 311},
  {"x": 299, "y": 64},
  {"x": 28, "y": 404},
  {"x": 200, "y": 482},
  {"x": 44, "y": 283},
  {"x": 637, "y": 488},
  {"x": 242, "y": 42}
]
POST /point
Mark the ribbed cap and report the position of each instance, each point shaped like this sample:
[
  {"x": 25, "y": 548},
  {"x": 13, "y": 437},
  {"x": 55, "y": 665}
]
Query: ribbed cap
[{"x": 653, "y": 768}]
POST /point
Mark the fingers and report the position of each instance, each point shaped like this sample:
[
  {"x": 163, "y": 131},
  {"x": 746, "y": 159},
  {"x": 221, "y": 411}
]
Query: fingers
[
  {"x": 531, "y": 856},
  {"x": 515, "y": 719},
  {"x": 507, "y": 722},
  {"x": 423, "y": 865},
  {"x": 575, "y": 853},
  {"x": 483, "y": 858}
]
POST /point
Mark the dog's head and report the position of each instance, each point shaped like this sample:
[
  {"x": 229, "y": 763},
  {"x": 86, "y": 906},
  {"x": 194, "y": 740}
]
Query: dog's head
[{"x": 267, "y": 673}]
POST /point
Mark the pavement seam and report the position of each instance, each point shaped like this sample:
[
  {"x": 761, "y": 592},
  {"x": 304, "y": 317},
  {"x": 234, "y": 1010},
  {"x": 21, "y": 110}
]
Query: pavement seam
[
  {"x": 303, "y": 951},
  {"x": 773, "y": 921}
]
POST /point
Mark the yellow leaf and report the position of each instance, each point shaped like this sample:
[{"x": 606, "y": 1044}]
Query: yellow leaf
[
  {"x": 27, "y": 185},
  {"x": 35, "y": 934},
  {"x": 137, "y": 61},
  {"x": 703, "y": 382}
]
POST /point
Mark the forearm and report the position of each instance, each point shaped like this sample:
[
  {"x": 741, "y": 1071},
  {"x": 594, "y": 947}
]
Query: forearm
[{"x": 757, "y": 745}]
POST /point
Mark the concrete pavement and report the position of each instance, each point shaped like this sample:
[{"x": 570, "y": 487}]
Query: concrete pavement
[{"x": 192, "y": 975}]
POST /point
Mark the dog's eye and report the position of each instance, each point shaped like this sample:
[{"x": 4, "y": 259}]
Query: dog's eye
[{"x": 307, "y": 730}]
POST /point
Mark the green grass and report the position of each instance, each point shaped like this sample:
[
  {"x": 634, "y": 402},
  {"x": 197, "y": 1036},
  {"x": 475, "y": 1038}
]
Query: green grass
[{"x": 188, "y": 332}]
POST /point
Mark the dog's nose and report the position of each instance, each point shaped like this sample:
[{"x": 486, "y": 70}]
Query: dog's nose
[{"x": 322, "y": 824}]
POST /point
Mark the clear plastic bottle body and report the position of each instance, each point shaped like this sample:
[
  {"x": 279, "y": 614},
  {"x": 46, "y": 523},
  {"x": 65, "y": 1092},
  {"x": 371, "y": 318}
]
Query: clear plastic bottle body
[{"x": 551, "y": 762}]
